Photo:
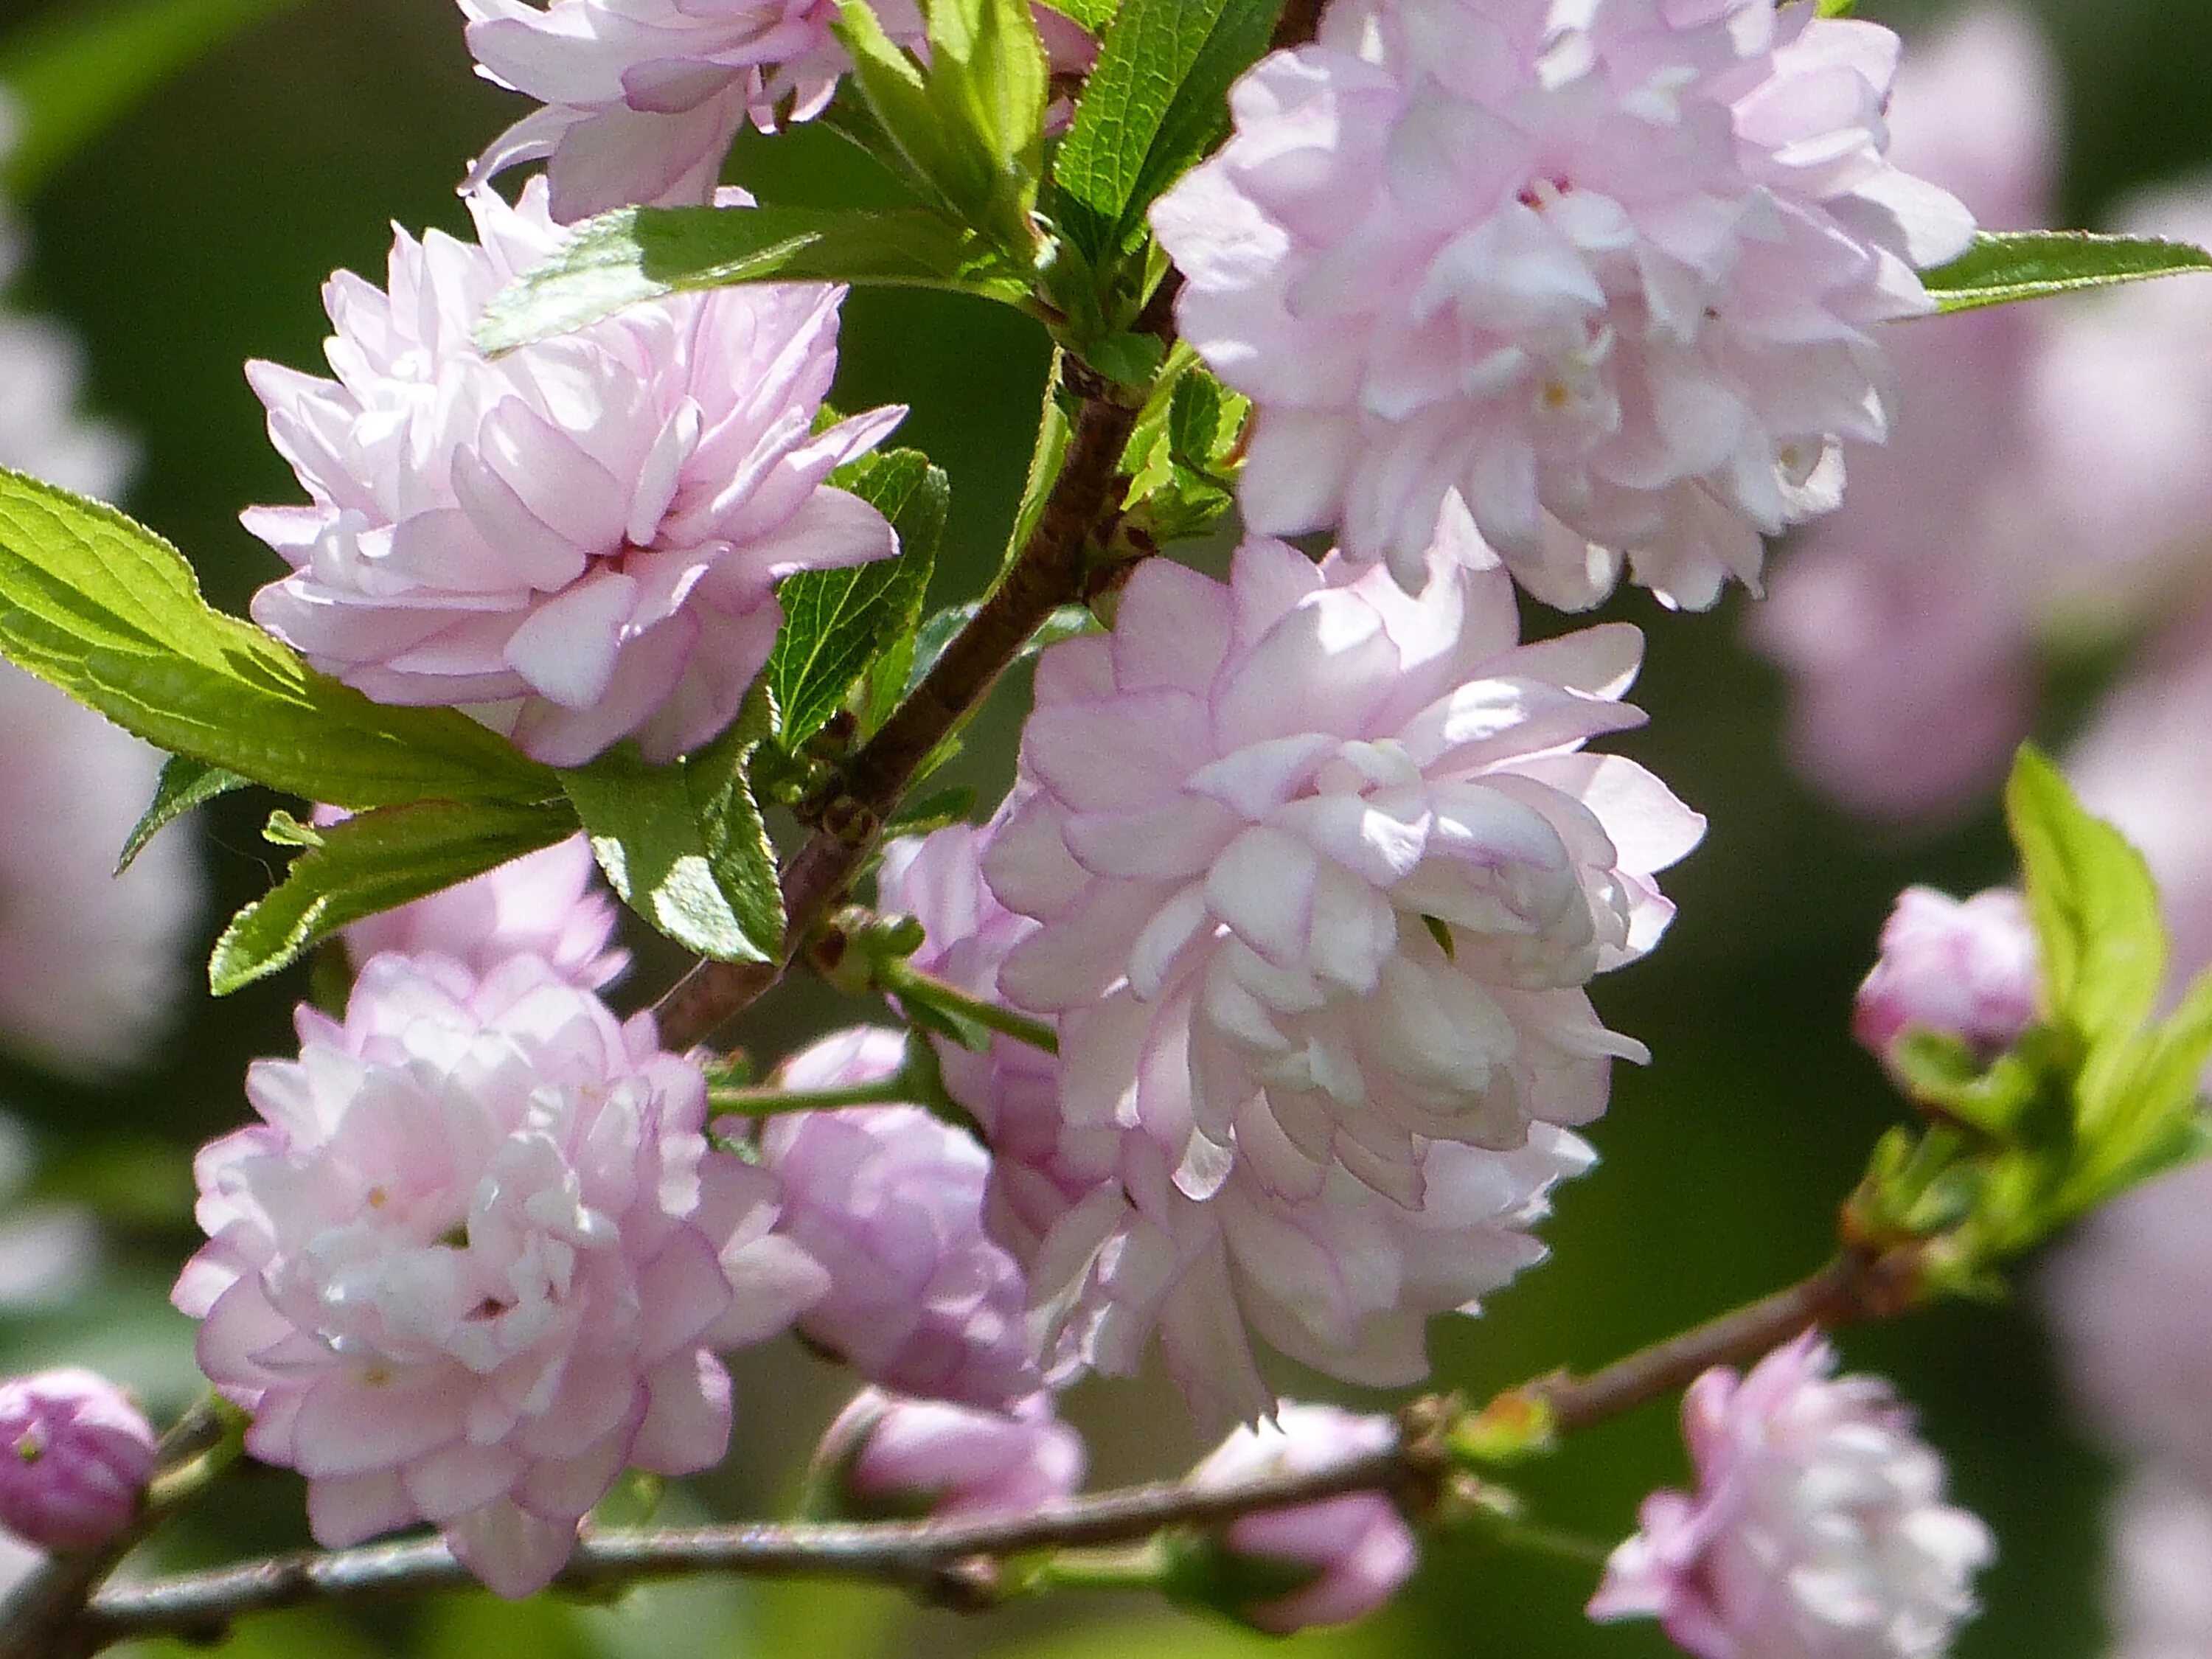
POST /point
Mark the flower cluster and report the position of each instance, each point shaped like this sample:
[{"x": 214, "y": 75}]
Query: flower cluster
[
  {"x": 1818, "y": 1529},
  {"x": 578, "y": 542},
  {"x": 1308, "y": 875},
  {"x": 641, "y": 98},
  {"x": 477, "y": 1258},
  {"x": 1606, "y": 273}
]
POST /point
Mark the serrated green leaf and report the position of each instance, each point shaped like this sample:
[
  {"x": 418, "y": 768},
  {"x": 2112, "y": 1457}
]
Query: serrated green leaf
[
  {"x": 2005, "y": 266},
  {"x": 184, "y": 784},
  {"x": 70, "y": 75},
  {"x": 648, "y": 832},
  {"x": 1157, "y": 101},
  {"x": 1047, "y": 457},
  {"x": 2093, "y": 903},
  {"x": 837, "y": 623},
  {"x": 635, "y": 254},
  {"x": 2136, "y": 1103},
  {"x": 1093, "y": 15},
  {"x": 375, "y": 861},
  {"x": 937, "y": 630},
  {"x": 970, "y": 127},
  {"x": 105, "y": 609},
  {"x": 737, "y": 846},
  {"x": 1194, "y": 419},
  {"x": 935, "y": 812}
]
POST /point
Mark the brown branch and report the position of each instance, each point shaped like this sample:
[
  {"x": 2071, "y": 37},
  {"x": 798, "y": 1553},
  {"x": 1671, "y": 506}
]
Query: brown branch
[
  {"x": 1049, "y": 572},
  {"x": 1851, "y": 1287},
  {"x": 950, "y": 1560}
]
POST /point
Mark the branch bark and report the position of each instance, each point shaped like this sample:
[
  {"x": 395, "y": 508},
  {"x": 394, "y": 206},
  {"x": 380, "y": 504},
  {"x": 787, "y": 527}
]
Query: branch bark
[
  {"x": 1049, "y": 572},
  {"x": 958, "y": 1562}
]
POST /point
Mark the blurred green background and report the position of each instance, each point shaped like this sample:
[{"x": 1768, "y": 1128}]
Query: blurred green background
[{"x": 192, "y": 232}]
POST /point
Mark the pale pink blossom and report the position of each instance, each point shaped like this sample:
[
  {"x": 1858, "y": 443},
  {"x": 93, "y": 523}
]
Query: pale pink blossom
[
  {"x": 75, "y": 1457},
  {"x": 889, "y": 1201},
  {"x": 887, "y": 1455},
  {"x": 1961, "y": 968},
  {"x": 548, "y": 904},
  {"x": 1818, "y": 1529},
  {"x": 577, "y": 542},
  {"x": 2130, "y": 1298},
  {"x": 1357, "y": 1548},
  {"x": 92, "y": 963},
  {"x": 1343, "y": 1279},
  {"x": 1610, "y": 272},
  {"x": 1323, "y": 869},
  {"x": 2157, "y": 1573},
  {"x": 1907, "y": 618},
  {"x": 641, "y": 98},
  {"x": 477, "y": 1258}
]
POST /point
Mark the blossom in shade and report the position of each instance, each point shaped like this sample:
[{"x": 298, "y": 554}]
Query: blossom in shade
[
  {"x": 1818, "y": 1529},
  {"x": 75, "y": 1456},
  {"x": 641, "y": 98},
  {"x": 1906, "y": 619},
  {"x": 476, "y": 1258},
  {"x": 548, "y": 904},
  {"x": 889, "y": 1201},
  {"x": 887, "y": 1455},
  {"x": 1961, "y": 968},
  {"x": 2158, "y": 1574},
  {"x": 1343, "y": 1279},
  {"x": 2131, "y": 1299},
  {"x": 1040, "y": 1166},
  {"x": 1321, "y": 870},
  {"x": 577, "y": 542},
  {"x": 1609, "y": 272},
  {"x": 1356, "y": 1551},
  {"x": 91, "y": 962}
]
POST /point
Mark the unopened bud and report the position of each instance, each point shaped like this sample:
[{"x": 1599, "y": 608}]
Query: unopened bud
[
  {"x": 75, "y": 1457},
  {"x": 889, "y": 1457},
  {"x": 1961, "y": 969}
]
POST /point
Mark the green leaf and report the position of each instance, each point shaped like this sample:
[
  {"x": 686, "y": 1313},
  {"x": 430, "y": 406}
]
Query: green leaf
[
  {"x": 373, "y": 862},
  {"x": 2005, "y": 266},
  {"x": 2093, "y": 903},
  {"x": 70, "y": 76},
  {"x": 635, "y": 254},
  {"x": 109, "y": 612},
  {"x": 1157, "y": 101},
  {"x": 837, "y": 623},
  {"x": 738, "y": 850},
  {"x": 969, "y": 128},
  {"x": 936, "y": 632},
  {"x": 1092, "y": 15},
  {"x": 684, "y": 845},
  {"x": 183, "y": 785}
]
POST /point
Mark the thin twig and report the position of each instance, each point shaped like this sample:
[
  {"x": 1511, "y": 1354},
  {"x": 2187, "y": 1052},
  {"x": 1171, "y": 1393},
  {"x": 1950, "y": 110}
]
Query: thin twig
[
  {"x": 1049, "y": 572},
  {"x": 1849, "y": 1288},
  {"x": 932, "y": 1556}
]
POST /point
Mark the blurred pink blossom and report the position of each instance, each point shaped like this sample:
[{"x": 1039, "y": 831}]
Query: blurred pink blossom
[
  {"x": 1818, "y": 1529},
  {"x": 75, "y": 1457},
  {"x": 1357, "y": 1548},
  {"x": 891, "y": 1202},
  {"x": 1905, "y": 618},
  {"x": 2158, "y": 1575},
  {"x": 888, "y": 1455},
  {"x": 1611, "y": 274},
  {"x": 576, "y": 542},
  {"x": 1964, "y": 969},
  {"x": 476, "y": 1258}
]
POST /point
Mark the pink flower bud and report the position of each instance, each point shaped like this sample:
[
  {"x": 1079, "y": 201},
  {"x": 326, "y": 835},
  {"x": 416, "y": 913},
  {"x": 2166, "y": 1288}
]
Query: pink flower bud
[
  {"x": 1966, "y": 969},
  {"x": 889, "y": 1456},
  {"x": 78, "y": 1454},
  {"x": 1341, "y": 1559}
]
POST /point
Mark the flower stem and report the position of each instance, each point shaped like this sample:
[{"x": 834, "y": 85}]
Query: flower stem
[{"x": 896, "y": 976}]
